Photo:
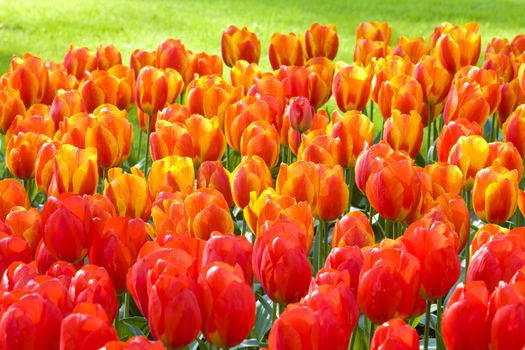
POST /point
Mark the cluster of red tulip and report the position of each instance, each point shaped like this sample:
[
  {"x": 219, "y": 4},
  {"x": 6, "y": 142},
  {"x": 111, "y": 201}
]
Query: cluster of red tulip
[{"x": 344, "y": 230}]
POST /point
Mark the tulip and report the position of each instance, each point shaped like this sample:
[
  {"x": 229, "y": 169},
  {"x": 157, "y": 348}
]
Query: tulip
[
  {"x": 355, "y": 132},
  {"x": 169, "y": 215},
  {"x": 404, "y": 132},
  {"x": 506, "y": 155},
  {"x": 27, "y": 224},
  {"x": 78, "y": 60},
  {"x": 252, "y": 174},
  {"x": 29, "y": 76},
  {"x": 116, "y": 247},
  {"x": 285, "y": 50},
  {"x": 502, "y": 64},
  {"x": 319, "y": 148},
  {"x": 374, "y": 31},
  {"x": 214, "y": 175},
  {"x": 459, "y": 46},
  {"x": 445, "y": 178},
  {"x": 174, "y": 314},
  {"x": 371, "y": 160},
  {"x": 10, "y": 107},
  {"x": 451, "y": 133},
  {"x": 434, "y": 80},
  {"x": 295, "y": 81},
  {"x": 171, "y": 139},
  {"x": 353, "y": 229},
  {"x": 270, "y": 89},
  {"x": 243, "y": 74},
  {"x": 261, "y": 139},
  {"x": 204, "y": 64},
  {"x": 65, "y": 104},
  {"x": 209, "y": 140},
  {"x": 12, "y": 194},
  {"x": 511, "y": 98},
  {"x": 62, "y": 270},
  {"x": 300, "y": 112},
  {"x": 512, "y": 129},
  {"x": 321, "y": 41},
  {"x": 134, "y": 343},
  {"x": 21, "y": 153},
  {"x": 171, "y": 53},
  {"x": 333, "y": 195},
  {"x": 86, "y": 329},
  {"x": 466, "y": 101},
  {"x": 13, "y": 248},
  {"x": 292, "y": 138},
  {"x": 174, "y": 113},
  {"x": 403, "y": 93},
  {"x": 487, "y": 81},
  {"x": 172, "y": 173},
  {"x": 485, "y": 234},
  {"x": 207, "y": 211},
  {"x": 411, "y": 49},
  {"x": 351, "y": 87},
  {"x": 32, "y": 322},
  {"x": 129, "y": 193},
  {"x": 227, "y": 305},
  {"x": 504, "y": 330},
  {"x": 299, "y": 180},
  {"x": 140, "y": 59},
  {"x": 367, "y": 51},
  {"x": 157, "y": 88},
  {"x": 239, "y": 44},
  {"x": 350, "y": 259},
  {"x": 395, "y": 333},
  {"x": 297, "y": 326},
  {"x": 389, "y": 284},
  {"x": 92, "y": 284},
  {"x": 320, "y": 76},
  {"x": 107, "y": 56},
  {"x": 470, "y": 154},
  {"x": 37, "y": 122}
]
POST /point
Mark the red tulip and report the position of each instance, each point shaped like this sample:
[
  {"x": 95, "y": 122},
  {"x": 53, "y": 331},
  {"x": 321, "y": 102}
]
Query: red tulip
[{"x": 395, "y": 334}]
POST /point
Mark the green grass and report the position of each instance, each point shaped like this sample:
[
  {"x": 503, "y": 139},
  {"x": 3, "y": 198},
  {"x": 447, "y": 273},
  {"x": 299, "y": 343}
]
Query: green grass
[{"x": 46, "y": 28}]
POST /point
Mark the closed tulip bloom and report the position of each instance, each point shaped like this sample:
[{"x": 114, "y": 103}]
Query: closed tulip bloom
[
  {"x": 395, "y": 333},
  {"x": 487, "y": 80},
  {"x": 239, "y": 44},
  {"x": 261, "y": 139},
  {"x": 86, "y": 330},
  {"x": 30, "y": 77},
  {"x": 300, "y": 113},
  {"x": 353, "y": 229},
  {"x": 333, "y": 195},
  {"x": 107, "y": 56},
  {"x": 13, "y": 248},
  {"x": 156, "y": 88},
  {"x": 433, "y": 78},
  {"x": 26, "y": 223},
  {"x": 21, "y": 153},
  {"x": 502, "y": 64},
  {"x": 351, "y": 87},
  {"x": 171, "y": 53},
  {"x": 512, "y": 129},
  {"x": 243, "y": 74},
  {"x": 389, "y": 284},
  {"x": 367, "y": 50},
  {"x": 292, "y": 138},
  {"x": 320, "y": 76},
  {"x": 448, "y": 53},
  {"x": 116, "y": 246},
  {"x": 299, "y": 180},
  {"x": 511, "y": 98},
  {"x": 505, "y": 332},
  {"x": 371, "y": 160},
  {"x": 294, "y": 79},
  {"x": 506, "y": 155},
  {"x": 174, "y": 314},
  {"x": 172, "y": 173},
  {"x": 169, "y": 215},
  {"x": 492, "y": 184},
  {"x": 319, "y": 148},
  {"x": 252, "y": 174},
  {"x": 374, "y": 30},
  {"x": 450, "y": 134},
  {"x": 78, "y": 60},
  {"x": 10, "y": 107},
  {"x": 286, "y": 50},
  {"x": 270, "y": 89},
  {"x": 411, "y": 49},
  {"x": 321, "y": 41},
  {"x": 485, "y": 234},
  {"x": 134, "y": 343},
  {"x": 207, "y": 211},
  {"x": 129, "y": 193},
  {"x": 297, "y": 326},
  {"x": 12, "y": 194},
  {"x": 350, "y": 259},
  {"x": 355, "y": 132},
  {"x": 227, "y": 305},
  {"x": 214, "y": 175},
  {"x": 434, "y": 244},
  {"x": 403, "y": 93},
  {"x": 404, "y": 132},
  {"x": 140, "y": 59},
  {"x": 445, "y": 178},
  {"x": 466, "y": 101},
  {"x": 92, "y": 284},
  {"x": 204, "y": 64},
  {"x": 32, "y": 322},
  {"x": 208, "y": 139},
  {"x": 459, "y": 46},
  {"x": 65, "y": 104},
  {"x": 171, "y": 139},
  {"x": 470, "y": 154},
  {"x": 384, "y": 69}
]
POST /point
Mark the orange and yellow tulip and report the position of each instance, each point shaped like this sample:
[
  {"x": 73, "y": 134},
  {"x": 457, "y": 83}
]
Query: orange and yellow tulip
[
  {"x": 333, "y": 195},
  {"x": 107, "y": 56},
  {"x": 21, "y": 153},
  {"x": 12, "y": 194},
  {"x": 208, "y": 139},
  {"x": 351, "y": 87},
  {"x": 65, "y": 104},
  {"x": 411, "y": 49},
  {"x": 445, "y": 178},
  {"x": 27, "y": 224},
  {"x": 451, "y": 133},
  {"x": 374, "y": 31},
  {"x": 171, "y": 53},
  {"x": 320, "y": 148},
  {"x": 140, "y": 59},
  {"x": 10, "y": 107},
  {"x": 78, "y": 60},
  {"x": 404, "y": 132},
  {"x": 514, "y": 128},
  {"x": 320, "y": 77},
  {"x": 252, "y": 174},
  {"x": 353, "y": 229},
  {"x": 261, "y": 139},
  {"x": 171, "y": 173},
  {"x": 511, "y": 97},
  {"x": 30, "y": 76},
  {"x": 156, "y": 88},
  {"x": 367, "y": 50},
  {"x": 321, "y": 41},
  {"x": 243, "y": 74},
  {"x": 403, "y": 93},
  {"x": 171, "y": 139},
  {"x": 470, "y": 154},
  {"x": 286, "y": 50},
  {"x": 506, "y": 155},
  {"x": 239, "y": 44},
  {"x": 434, "y": 80},
  {"x": 214, "y": 175},
  {"x": 204, "y": 64}
]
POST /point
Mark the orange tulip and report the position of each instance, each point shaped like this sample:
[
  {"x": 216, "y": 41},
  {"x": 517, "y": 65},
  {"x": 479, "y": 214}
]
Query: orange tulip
[
  {"x": 78, "y": 60},
  {"x": 261, "y": 139},
  {"x": 286, "y": 50},
  {"x": 239, "y": 44},
  {"x": 492, "y": 184},
  {"x": 171, "y": 139},
  {"x": 207, "y": 211},
  {"x": 402, "y": 92},
  {"x": 451, "y": 133},
  {"x": 294, "y": 79},
  {"x": 434, "y": 80},
  {"x": 355, "y": 132},
  {"x": 507, "y": 321},
  {"x": 333, "y": 195},
  {"x": 240, "y": 115},
  {"x": 156, "y": 88},
  {"x": 140, "y": 59},
  {"x": 12, "y": 194},
  {"x": 169, "y": 215},
  {"x": 171, "y": 173},
  {"x": 134, "y": 343},
  {"x": 30, "y": 77},
  {"x": 397, "y": 334},
  {"x": 107, "y": 56},
  {"x": 27, "y": 224},
  {"x": 243, "y": 74},
  {"x": 411, "y": 49},
  {"x": 214, "y": 175},
  {"x": 458, "y": 46},
  {"x": 487, "y": 81},
  {"x": 511, "y": 98},
  {"x": 485, "y": 234},
  {"x": 513, "y": 127},
  {"x": 174, "y": 113},
  {"x": 445, "y": 178},
  {"x": 292, "y": 138},
  {"x": 404, "y": 132},
  {"x": 319, "y": 148},
  {"x": 171, "y": 53},
  {"x": 353, "y": 229},
  {"x": 21, "y": 153},
  {"x": 65, "y": 104},
  {"x": 367, "y": 50},
  {"x": 374, "y": 31},
  {"x": 506, "y": 155},
  {"x": 204, "y": 64},
  {"x": 39, "y": 123},
  {"x": 208, "y": 138},
  {"x": 498, "y": 46},
  {"x": 503, "y": 66},
  {"x": 470, "y": 154},
  {"x": 320, "y": 77},
  {"x": 10, "y": 107},
  {"x": 299, "y": 180},
  {"x": 129, "y": 193},
  {"x": 321, "y": 41},
  {"x": 384, "y": 69},
  {"x": 252, "y": 174},
  {"x": 270, "y": 89},
  {"x": 13, "y": 249},
  {"x": 351, "y": 87}
]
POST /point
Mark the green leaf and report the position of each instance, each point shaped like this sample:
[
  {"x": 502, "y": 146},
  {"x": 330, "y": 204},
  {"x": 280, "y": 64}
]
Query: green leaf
[
  {"x": 131, "y": 326},
  {"x": 263, "y": 320},
  {"x": 431, "y": 344}
]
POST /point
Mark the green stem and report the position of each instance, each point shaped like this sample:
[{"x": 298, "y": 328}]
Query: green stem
[
  {"x": 439, "y": 316},
  {"x": 150, "y": 119},
  {"x": 427, "y": 325},
  {"x": 227, "y": 165},
  {"x": 289, "y": 155},
  {"x": 382, "y": 129},
  {"x": 352, "y": 338},
  {"x": 274, "y": 312},
  {"x": 493, "y": 128},
  {"x": 467, "y": 248},
  {"x": 371, "y": 109},
  {"x": 429, "y": 131},
  {"x": 436, "y": 131},
  {"x": 326, "y": 243},
  {"x": 140, "y": 143},
  {"x": 126, "y": 305},
  {"x": 371, "y": 334},
  {"x": 497, "y": 133},
  {"x": 243, "y": 226},
  {"x": 349, "y": 175}
]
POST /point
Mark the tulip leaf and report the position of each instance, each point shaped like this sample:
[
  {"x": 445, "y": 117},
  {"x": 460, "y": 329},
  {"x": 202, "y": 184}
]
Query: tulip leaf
[
  {"x": 431, "y": 344},
  {"x": 263, "y": 320},
  {"x": 131, "y": 326},
  {"x": 248, "y": 344}
]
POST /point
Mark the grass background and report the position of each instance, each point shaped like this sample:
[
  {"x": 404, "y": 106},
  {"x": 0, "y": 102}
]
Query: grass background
[{"x": 46, "y": 28}]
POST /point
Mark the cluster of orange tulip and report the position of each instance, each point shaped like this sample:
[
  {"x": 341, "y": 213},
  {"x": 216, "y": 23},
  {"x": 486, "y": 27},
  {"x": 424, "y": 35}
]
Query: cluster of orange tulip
[{"x": 265, "y": 220}]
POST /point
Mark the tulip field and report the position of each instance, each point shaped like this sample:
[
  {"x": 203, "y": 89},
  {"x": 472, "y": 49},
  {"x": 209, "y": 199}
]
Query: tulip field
[{"x": 280, "y": 191}]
